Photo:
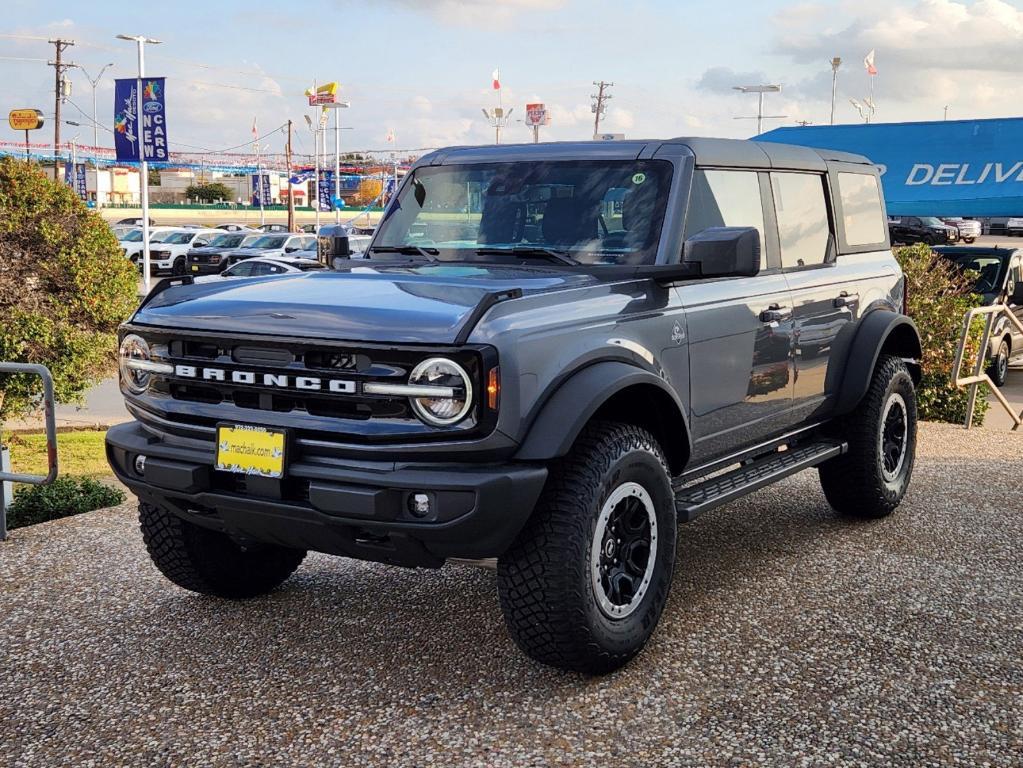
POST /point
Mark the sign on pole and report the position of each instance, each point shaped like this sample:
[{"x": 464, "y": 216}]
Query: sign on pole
[
  {"x": 25, "y": 119},
  {"x": 324, "y": 95},
  {"x": 324, "y": 187},
  {"x": 536, "y": 114},
  {"x": 80, "y": 186},
  {"x": 146, "y": 140},
  {"x": 261, "y": 191}
]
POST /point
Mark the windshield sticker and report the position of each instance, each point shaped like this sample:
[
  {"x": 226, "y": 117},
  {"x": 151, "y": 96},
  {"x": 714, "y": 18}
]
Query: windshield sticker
[{"x": 638, "y": 178}]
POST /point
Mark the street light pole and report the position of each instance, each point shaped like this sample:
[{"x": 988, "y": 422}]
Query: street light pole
[
  {"x": 337, "y": 156},
  {"x": 760, "y": 90},
  {"x": 94, "y": 82},
  {"x": 835, "y": 64},
  {"x": 141, "y": 41}
]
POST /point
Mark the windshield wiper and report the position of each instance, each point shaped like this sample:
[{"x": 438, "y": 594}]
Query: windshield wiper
[
  {"x": 552, "y": 254},
  {"x": 430, "y": 254}
]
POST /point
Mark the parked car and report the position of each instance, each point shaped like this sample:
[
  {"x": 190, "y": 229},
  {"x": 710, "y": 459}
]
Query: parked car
[
  {"x": 613, "y": 349},
  {"x": 1014, "y": 227},
  {"x": 999, "y": 281},
  {"x": 232, "y": 227},
  {"x": 212, "y": 257},
  {"x": 131, "y": 243},
  {"x": 969, "y": 229},
  {"x": 169, "y": 254},
  {"x": 264, "y": 267},
  {"x": 921, "y": 229},
  {"x": 122, "y": 230},
  {"x": 135, "y": 221},
  {"x": 273, "y": 244},
  {"x": 273, "y": 228}
]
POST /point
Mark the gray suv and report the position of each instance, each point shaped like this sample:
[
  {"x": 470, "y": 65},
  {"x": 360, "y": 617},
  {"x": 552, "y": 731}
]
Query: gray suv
[{"x": 550, "y": 355}]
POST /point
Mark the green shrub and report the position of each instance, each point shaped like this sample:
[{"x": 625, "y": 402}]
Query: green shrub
[
  {"x": 64, "y": 288},
  {"x": 940, "y": 295},
  {"x": 65, "y": 497},
  {"x": 209, "y": 193}
]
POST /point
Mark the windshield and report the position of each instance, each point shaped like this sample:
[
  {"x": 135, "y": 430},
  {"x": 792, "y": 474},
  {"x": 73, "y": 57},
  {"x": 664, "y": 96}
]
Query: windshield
[
  {"x": 160, "y": 237},
  {"x": 595, "y": 211},
  {"x": 179, "y": 238},
  {"x": 226, "y": 241},
  {"x": 930, "y": 221},
  {"x": 990, "y": 269},
  {"x": 135, "y": 236},
  {"x": 267, "y": 241}
]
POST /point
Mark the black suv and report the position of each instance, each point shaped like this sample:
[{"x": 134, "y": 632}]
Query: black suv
[
  {"x": 549, "y": 355},
  {"x": 921, "y": 229}
]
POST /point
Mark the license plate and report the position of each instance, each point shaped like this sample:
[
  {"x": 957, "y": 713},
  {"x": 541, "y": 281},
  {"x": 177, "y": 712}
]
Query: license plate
[
  {"x": 250, "y": 450},
  {"x": 195, "y": 267}
]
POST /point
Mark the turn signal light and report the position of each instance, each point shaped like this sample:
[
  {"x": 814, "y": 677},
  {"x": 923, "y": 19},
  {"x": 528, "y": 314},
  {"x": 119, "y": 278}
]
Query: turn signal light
[{"x": 493, "y": 388}]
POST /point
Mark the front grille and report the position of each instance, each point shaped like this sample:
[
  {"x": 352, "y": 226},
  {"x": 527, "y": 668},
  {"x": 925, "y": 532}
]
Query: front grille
[{"x": 220, "y": 379}]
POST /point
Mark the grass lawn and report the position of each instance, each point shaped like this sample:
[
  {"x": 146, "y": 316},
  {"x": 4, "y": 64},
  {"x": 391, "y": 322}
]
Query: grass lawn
[{"x": 79, "y": 454}]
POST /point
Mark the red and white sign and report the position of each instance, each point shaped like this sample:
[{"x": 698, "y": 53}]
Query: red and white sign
[{"x": 536, "y": 114}]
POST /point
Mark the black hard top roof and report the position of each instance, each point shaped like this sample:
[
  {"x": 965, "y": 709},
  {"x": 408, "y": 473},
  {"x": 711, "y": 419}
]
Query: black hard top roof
[{"x": 707, "y": 152}]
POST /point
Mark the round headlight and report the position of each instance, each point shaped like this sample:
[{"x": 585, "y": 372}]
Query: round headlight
[
  {"x": 135, "y": 378},
  {"x": 441, "y": 372}
]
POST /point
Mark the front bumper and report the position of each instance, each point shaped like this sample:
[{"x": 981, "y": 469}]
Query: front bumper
[{"x": 360, "y": 509}]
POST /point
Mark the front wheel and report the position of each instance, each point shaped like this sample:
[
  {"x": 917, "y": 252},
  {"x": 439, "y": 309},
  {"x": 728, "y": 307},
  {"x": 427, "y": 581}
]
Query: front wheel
[
  {"x": 179, "y": 266},
  {"x": 584, "y": 584},
  {"x": 211, "y": 562},
  {"x": 998, "y": 370},
  {"x": 872, "y": 477}
]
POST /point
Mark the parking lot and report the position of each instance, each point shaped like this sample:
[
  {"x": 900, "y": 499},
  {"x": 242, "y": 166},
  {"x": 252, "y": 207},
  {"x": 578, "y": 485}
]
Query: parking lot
[{"x": 791, "y": 638}]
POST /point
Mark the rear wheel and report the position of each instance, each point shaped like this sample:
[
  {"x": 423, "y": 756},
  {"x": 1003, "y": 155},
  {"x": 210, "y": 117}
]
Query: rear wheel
[
  {"x": 211, "y": 562},
  {"x": 585, "y": 582},
  {"x": 998, "y": 370},
  {"x": 872, "y": 477}
]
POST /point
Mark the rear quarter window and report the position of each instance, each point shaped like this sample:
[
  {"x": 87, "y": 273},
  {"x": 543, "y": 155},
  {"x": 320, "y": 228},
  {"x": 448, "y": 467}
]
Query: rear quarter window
[{"x": 861, "y": 209}]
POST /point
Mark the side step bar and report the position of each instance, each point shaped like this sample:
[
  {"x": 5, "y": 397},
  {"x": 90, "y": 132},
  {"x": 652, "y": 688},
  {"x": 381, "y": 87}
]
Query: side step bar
[{"x": 694, "y": 500}]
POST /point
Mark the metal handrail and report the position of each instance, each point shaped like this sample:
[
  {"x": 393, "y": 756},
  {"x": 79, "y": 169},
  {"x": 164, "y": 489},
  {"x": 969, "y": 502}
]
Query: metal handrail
[{"x": 979, "y": 375}]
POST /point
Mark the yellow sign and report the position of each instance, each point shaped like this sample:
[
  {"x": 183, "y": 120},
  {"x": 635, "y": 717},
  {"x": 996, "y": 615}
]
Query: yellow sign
[
  {"x": 25, "y": 119},
  {"x": 250, "y": 451},
  {"x": 324, "y": 94}
]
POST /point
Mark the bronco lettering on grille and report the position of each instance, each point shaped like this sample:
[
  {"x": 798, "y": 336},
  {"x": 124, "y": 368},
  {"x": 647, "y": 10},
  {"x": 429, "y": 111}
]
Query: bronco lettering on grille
[{"x": 275, "y": 380}]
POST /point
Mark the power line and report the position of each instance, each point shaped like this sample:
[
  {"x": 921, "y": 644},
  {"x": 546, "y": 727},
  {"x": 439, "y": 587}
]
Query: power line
[{"x": 21, "y": 58}]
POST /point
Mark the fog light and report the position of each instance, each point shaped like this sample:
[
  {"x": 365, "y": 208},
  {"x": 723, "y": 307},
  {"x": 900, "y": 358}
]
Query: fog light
[
  {"x": 419, "y": 504},
  {"x": 140, "y": 465}
]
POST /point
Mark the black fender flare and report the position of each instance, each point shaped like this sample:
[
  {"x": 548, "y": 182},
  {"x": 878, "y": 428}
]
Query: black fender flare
[
  {"x": 566, "y": 412},
  {"x": 879, "y": 330}
]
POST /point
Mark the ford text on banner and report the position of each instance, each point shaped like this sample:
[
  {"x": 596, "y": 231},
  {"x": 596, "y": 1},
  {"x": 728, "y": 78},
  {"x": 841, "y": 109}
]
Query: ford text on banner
[{"x": 151, "y": 134}]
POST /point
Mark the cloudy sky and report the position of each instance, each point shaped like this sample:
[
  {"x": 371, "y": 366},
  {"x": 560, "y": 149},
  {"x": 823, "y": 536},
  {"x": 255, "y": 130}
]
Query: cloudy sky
[{"x": 422, "y": 67}]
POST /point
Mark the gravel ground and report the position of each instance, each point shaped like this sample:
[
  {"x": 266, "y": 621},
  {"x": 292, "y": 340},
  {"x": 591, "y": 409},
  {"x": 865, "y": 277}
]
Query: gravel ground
[{"x": 791, "y": 638}]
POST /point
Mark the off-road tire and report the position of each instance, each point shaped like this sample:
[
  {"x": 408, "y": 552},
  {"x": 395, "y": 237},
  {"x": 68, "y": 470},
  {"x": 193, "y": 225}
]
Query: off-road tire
[
  {"x": 210, "y": 562},
  {"x": 855, "y": 484},
  {"x": 998, "y": 370},
  {"x": 544, "y": 581},
  {"x": 178, "y": 267}
]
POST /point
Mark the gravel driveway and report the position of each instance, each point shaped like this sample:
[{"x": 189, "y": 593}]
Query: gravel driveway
[{"x": 791, "y": 638}]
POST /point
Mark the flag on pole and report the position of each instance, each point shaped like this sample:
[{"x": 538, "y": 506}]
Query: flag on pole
[
  {"x": 868, "y": 63},
  {"x": 255, "y": 132},
  {"x": 390, "y": 136},
  {"x": 497, "y": 80}
]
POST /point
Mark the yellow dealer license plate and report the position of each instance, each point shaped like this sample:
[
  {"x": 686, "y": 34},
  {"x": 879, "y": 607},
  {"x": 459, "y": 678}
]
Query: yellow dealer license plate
[
  {"x": 250, "y": 450},
  {"x": 195, "y": 267}
]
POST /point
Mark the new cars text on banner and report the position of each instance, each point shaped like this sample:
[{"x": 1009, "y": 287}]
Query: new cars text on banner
[
  {"x": 940, "y": 168},
  {"x": 81, "y": 189},
  {"x": 325, "y": 190},
  {"x": 265, "y": 193},
  {"x": 148, "y": 136}
]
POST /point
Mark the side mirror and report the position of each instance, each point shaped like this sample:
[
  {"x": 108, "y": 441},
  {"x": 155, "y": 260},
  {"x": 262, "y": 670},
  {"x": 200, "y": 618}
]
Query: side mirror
[
  {"x": 331, "y": 246},
  {"x": 724, "y": 252}
]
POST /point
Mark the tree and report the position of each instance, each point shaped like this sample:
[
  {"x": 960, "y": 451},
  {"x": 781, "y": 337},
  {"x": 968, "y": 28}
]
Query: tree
[
  {"x": 64, "y": 288},
  {"x": 209, "y": 193}
]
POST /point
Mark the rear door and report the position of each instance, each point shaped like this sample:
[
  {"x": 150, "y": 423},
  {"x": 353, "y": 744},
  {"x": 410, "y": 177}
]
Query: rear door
[{"x": 740, "y": 329}]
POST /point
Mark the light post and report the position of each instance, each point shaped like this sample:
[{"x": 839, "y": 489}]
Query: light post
[
  {"x": 498, "y": 119},
  {"x": 94, "y": 82},
  {"x": 946, "y": 110},
  {"x": 835, "y": 64},
  {"x": 314, "y": 127},
  {"x": 337, "y": 107},
  {"x": 760, "y": 90},
  {"x": 865, "y": 108},
  {"x": 141, "y": 41}
]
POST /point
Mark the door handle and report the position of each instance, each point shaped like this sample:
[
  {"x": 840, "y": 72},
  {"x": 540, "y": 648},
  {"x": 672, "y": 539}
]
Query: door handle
[
  {"x": 774, "y": 314},
  {"x": 846, "y": 299}
]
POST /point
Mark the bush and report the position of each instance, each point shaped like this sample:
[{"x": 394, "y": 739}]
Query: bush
[
  {"x": 940, "y": 295},
  {"x": 65, "y": 497},
  {"x": 209, "y": 193},
  {"x": 64, "y": 288}
]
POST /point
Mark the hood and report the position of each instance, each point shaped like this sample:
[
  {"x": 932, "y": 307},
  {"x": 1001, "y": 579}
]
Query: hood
[
  {"x": 206, "y": 249},
  {"x": 417, "y": 304}
]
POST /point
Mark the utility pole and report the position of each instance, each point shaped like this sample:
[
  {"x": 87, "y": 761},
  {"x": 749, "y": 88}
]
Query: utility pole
[
  {"x": 291, "y": 189},
  {"x": 58, "y": 91},
  {"x": 599, "y": 106}
]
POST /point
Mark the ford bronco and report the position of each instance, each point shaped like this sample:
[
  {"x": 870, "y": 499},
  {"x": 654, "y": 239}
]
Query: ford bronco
[{"x": 549, "y": 355}]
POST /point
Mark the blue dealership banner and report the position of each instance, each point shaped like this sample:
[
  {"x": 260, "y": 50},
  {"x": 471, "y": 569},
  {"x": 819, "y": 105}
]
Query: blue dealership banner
[
  {"x": 325, "y": 190},
  {"x": 265, "y": 193},
  {"x": 136, "y": 139},
  {"x": 940, "y": 168},
  {"x": 80, "y": 186},
  {"x": 69, "y": 176}
]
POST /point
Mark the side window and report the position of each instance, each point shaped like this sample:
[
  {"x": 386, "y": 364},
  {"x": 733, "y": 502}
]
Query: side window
[
  {"x": 725, "y": 199},
  {"x": 242, "y": 270},
  {"x": 861, "y": 208},
  {"x": 261, "y": 268},
  {"x": 802, "y": 212}
]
